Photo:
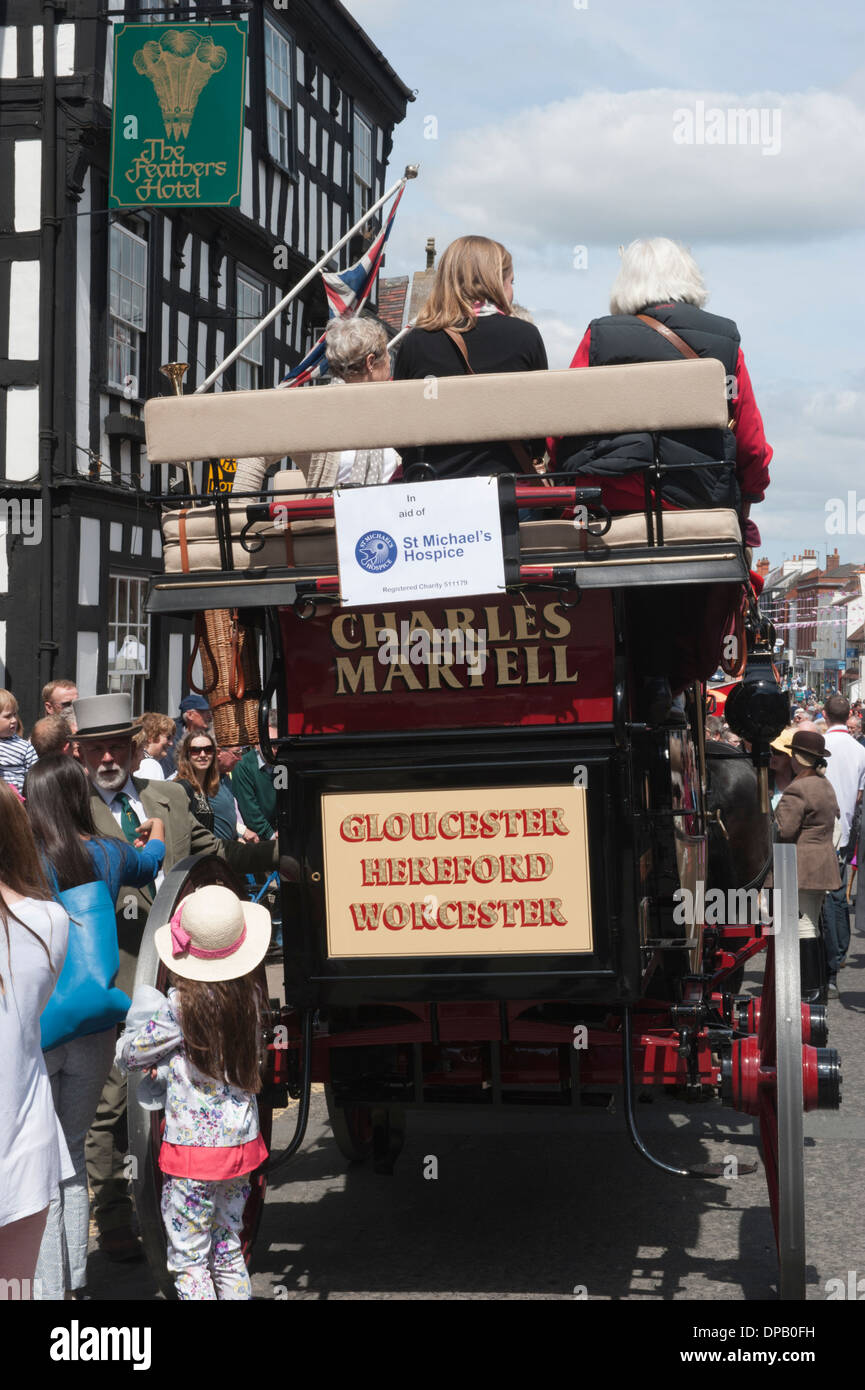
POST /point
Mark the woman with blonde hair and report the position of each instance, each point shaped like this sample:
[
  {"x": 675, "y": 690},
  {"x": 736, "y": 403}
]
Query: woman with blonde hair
[{"x": 468, "y": 326}]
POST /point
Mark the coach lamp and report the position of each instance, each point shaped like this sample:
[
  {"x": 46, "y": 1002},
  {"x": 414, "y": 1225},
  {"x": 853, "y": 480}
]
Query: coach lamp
[{"x": 758, "y": 709}]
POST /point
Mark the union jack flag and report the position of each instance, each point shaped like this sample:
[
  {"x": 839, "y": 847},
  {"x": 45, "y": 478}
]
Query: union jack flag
[{"x": 347, "y": 291}]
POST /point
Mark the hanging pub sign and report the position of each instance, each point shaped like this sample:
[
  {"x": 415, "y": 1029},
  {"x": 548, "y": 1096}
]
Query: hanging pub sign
[{"x": 177, "y": 118}]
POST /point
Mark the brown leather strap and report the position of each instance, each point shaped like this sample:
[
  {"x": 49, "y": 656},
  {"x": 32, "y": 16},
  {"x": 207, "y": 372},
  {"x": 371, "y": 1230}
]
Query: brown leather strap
[
  {"x": 201, "y": 640},
  {"x": 519, "y": 451},
  {"x": 459, "y": 343},
  {"x": 236, "y": 678},
  {"x": 678, "y": 343},
  {"x": 181, "y": 533}
]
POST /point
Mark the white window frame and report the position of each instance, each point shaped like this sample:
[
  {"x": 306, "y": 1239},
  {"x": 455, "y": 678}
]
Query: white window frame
[
  {"x": 126, "y": 331},
  {"x": 249, "y": 366},
  {"x": 128, "y": 622},
  {"x": 279, "y": 100},
  {"x": 362, "y": 186}
]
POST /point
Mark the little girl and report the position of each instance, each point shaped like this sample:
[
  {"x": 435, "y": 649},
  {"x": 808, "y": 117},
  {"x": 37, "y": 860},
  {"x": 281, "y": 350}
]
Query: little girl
[
  {"x": 16, "y": 754},
  {"x": 208, "y": 1030}
]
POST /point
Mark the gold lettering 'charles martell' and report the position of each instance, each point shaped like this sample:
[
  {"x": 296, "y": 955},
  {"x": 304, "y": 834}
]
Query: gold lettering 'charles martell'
[{"x": 524, "y": 646}]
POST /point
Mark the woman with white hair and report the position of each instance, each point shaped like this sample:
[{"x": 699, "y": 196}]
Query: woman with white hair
[
  {"x": 657, "y": 315},
  {"x": 357, "y": 352}
]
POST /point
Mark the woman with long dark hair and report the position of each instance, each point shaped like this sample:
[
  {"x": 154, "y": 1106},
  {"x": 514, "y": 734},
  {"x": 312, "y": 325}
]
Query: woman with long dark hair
[
  {"x": 33, "y": 1154},
  {"x": 211, "y": 799},
  {"x": 58, "y": 804},
  {"x": 198, "y": 773}
]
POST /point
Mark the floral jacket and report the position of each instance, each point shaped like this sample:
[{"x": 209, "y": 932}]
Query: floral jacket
[{"x": 199, "y": 1111}]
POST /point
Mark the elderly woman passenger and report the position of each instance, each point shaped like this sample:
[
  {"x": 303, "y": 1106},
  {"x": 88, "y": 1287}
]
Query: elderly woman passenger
[
  {"x": 357, "y": 351},
  {"x": 657, "y": 315}
]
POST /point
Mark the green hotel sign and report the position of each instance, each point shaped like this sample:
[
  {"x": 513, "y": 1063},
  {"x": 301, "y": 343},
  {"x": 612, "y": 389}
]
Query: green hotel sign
[{"x": 177, "y": 120}]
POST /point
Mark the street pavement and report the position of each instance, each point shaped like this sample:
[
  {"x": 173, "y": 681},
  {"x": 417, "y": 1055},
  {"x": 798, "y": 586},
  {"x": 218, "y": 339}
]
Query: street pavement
[{"x": 546, "y": 1205}]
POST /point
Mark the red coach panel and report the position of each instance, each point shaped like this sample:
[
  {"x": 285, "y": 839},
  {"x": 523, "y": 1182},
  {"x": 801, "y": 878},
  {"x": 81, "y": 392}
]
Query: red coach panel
[{"x": 533, "y": 659}]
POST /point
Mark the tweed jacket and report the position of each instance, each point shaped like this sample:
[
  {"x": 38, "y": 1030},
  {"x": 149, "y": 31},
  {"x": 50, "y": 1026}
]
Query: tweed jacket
[
  {"x": 806, "y": 817},
  {"x": 184, "y": 835}
]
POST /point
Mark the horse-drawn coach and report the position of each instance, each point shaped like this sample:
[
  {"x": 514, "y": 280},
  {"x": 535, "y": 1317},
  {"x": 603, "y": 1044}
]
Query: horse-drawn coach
[{"x": 495, "y": 874}]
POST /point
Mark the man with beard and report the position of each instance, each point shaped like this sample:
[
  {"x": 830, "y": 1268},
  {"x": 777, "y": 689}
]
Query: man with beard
[{"x": 120, "y": 802}]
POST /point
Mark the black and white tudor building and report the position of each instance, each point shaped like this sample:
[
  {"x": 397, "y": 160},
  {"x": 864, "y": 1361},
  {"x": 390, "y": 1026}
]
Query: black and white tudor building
[{"x": 92, "y": 303}]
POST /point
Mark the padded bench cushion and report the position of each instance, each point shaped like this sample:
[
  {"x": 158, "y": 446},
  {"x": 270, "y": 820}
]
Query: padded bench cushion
[
  {"x": 313, "y": 542},
  {"x": 189, "y": 536},
  {"x": 644, "y": 396},
  {"x": 710, "y": 527}
]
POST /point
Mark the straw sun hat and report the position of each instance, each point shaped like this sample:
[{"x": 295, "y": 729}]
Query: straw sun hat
[
  {"x": 782, "y": 743},
  {"x": 214, "y": 936}
]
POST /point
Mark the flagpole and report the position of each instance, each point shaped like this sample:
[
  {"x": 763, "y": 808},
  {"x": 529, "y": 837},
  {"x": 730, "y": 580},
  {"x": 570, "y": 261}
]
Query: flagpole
[
  {"x": 399, "y": 336},
  {"x": 411, "y": 172}
]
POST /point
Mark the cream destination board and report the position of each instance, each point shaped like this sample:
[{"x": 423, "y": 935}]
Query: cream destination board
[{"x": 470, "y": 872}]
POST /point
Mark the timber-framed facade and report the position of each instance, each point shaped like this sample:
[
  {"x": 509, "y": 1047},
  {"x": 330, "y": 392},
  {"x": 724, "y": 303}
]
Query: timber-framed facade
[{"x": 93, "y": 302}]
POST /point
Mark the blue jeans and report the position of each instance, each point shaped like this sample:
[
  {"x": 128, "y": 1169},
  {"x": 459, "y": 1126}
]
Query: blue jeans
[{"x": 836, "y": 921}]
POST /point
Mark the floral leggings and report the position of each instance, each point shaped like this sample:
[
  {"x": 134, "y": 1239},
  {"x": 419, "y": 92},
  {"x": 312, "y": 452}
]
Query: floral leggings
[{"x": 203, "y": 1221}]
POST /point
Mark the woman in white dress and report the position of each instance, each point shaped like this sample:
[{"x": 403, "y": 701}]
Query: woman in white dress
[{"x": 33, "y": 1154}]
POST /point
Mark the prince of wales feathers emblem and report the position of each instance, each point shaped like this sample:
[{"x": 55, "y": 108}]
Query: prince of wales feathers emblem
[{"x": 180, "y": 66}]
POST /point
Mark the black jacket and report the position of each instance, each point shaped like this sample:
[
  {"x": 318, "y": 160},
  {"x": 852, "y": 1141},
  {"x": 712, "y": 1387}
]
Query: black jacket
[
  {"x": 497, "y": 343},
  {"x": 702, "y": 462}
]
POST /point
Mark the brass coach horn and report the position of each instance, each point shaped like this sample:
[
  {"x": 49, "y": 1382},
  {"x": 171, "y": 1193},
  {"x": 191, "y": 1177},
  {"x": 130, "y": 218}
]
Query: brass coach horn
[{"x": 176, "y": 371}]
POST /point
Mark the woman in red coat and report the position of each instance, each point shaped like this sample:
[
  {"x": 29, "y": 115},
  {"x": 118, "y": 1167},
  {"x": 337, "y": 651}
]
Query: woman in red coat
[{"x": 657, "y": 314}]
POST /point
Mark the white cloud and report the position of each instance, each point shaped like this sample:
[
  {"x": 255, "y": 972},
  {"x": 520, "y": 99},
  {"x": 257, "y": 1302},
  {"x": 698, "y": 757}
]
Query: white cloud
[
  {"x": 605, "y": 167},
  {"x": 838, "y": 413},
  {"x": 560, "y": 339},
  {"x": 370, "y": 13}
]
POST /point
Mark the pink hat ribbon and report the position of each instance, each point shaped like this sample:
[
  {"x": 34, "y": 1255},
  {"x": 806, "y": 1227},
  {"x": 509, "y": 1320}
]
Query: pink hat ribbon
[{"x": 181, "y": 941}]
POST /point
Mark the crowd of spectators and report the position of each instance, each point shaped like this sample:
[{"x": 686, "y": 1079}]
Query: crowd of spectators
[{"x": 93, "y": 794}]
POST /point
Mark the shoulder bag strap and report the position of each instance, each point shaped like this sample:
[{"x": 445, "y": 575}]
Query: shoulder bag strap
[
  {"x": 519, "y": 451},
  {"x": 678, "y": 343}
]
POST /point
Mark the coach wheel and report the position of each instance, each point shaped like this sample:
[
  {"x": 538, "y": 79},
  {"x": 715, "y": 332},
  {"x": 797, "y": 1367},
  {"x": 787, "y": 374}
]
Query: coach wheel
[
  {"x": 145, "y": 1126},
  {"x": 782, "y": 1137},
  {"x": 352, "y": 1128},
  {"x": 367, "y": 1131}
]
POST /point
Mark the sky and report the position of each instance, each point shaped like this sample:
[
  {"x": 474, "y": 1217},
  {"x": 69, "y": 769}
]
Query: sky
[{"x": 566, "y": 128}]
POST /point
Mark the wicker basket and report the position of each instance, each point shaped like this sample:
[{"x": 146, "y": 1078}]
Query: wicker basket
[{"x": 230, "y": 675}]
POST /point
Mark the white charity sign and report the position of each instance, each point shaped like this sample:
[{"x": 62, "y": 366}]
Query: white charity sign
[{"x": 410, "y": 541}]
